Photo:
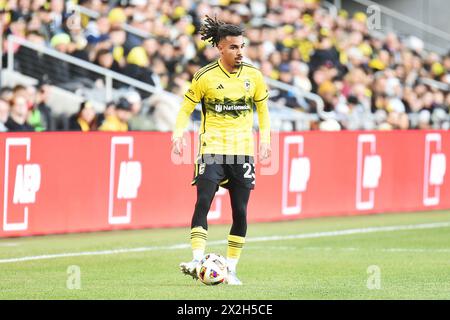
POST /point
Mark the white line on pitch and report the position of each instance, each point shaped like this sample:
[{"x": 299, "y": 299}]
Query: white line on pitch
[
  {"x": 9, "y": 244},
  {"x": 394, "y": 250},
  {"x": 250, "y": 239}
]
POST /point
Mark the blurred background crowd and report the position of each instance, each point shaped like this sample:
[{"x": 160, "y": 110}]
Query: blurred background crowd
[{"x": 365, "y": 82}]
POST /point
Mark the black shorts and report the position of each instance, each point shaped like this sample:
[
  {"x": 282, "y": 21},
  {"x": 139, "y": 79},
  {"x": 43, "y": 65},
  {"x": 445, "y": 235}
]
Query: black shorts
[{"x": 226, "y": 171}]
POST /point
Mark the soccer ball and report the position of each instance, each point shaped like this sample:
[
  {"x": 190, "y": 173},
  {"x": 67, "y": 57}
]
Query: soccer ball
[{"x": 212, "y": 269}]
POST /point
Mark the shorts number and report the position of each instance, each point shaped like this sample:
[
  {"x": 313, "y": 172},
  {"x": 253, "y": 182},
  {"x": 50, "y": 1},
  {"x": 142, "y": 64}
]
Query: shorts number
[{"x": 248, "y": 174}]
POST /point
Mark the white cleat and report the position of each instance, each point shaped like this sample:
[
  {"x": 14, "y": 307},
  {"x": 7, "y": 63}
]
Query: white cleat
[
  {"x": 190, "y": 268},
  {"x": 232, "y": 279}
]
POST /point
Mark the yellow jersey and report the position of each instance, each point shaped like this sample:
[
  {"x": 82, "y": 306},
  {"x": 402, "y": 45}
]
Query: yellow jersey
[
  {"x": 227, "y": 101},
  {"x": 113, "y": 123}
]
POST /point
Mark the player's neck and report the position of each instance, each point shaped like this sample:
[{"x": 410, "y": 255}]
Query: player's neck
[{"x": 229, "y": 68}]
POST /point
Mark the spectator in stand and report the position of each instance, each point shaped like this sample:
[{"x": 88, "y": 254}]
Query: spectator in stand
[
  {"x": 58, "y": 15},
  {"x": 98, "y": 31},
  {"x": 138, "y": 66},
  {"x": 328, "y": 92},
  {"x": 283, "y": 96},
  {"x": 40, "y": 116},
  {"x": 17, "y": 120},
  {"x": 163, "y": 111},
  {"x": 106, "y": 60},
  {"x": 85, "y": 119},
  {"x": 118, "y": 37},
  {"x": 6, "y": 94},
  {"x": 324, "y": 54},
  {"x": 110, "y": 110},
  {"x": 4, "y": 113},
  {"x": 139, "y": 118},
  {"x": 119, "y": 120},
  {"x": 380, "y": 75}
]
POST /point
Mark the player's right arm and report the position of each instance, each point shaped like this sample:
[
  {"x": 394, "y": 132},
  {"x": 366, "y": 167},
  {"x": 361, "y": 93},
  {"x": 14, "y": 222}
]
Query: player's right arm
[{"x": 192, "y": 97}]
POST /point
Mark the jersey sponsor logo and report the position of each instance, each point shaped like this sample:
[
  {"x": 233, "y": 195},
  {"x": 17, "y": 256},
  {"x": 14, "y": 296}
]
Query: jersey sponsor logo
[
  {"x": 27, "y": 182},
  {"x": 296, "y": 174},
  {"x": 124, "y": 186},
  {"x": 220, "y": 86},
  {"x": 435, "y": 166},
  {"x": 234, "y": 108},
  {"x": 368, "y": 171},
  {"x": 222, "y": 107}
]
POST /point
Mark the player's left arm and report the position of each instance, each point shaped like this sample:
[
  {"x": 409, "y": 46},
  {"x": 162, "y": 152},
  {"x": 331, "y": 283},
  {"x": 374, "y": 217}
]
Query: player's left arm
[{"x": 260, "y": 98}]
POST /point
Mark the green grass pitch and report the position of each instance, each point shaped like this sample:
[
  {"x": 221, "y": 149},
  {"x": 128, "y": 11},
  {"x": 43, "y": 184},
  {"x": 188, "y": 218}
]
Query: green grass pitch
[{"x": 413, "y": 263}]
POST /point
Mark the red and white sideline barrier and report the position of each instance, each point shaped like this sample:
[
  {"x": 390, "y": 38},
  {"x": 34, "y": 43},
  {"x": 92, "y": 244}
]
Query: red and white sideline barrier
[{"x": 74, "y": 182}]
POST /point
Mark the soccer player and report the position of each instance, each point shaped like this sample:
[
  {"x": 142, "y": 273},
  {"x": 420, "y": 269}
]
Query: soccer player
[{"x": 227, "y": 90}]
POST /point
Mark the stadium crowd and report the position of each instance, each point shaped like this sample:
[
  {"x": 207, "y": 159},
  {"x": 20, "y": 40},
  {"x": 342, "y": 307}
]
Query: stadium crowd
[{"x": 366, "y": 82}]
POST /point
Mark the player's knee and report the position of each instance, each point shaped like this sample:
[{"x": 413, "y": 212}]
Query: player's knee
[{"x": 203, "y": 203}]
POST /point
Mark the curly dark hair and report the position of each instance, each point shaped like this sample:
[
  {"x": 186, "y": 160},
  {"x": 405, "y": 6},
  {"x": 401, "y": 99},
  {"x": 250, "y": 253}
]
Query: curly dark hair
[{"x": 214, "y": 30}]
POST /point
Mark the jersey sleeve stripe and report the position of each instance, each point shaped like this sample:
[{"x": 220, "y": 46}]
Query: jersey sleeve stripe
[
  {"x": 191, "y": 99},
  {"x": 262, "y": 98},
  {"x": 207, "y": 68},
  {"x": 249, "y": 65},
  {"x": 204, "y": 69}
]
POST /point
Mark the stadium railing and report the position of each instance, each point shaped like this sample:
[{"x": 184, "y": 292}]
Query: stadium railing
[
  {"x": 80, "y": 81},
  {"x": 104, "y": 73},
  {"x": 300, "y": 120},
  {"x": 435, "y": 84}
]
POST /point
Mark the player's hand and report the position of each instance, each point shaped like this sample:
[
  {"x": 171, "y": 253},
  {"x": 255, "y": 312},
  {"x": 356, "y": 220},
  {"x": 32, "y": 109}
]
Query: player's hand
[
  {"x": 265, "y": 151},
  {"x": 177, "y": 146}
]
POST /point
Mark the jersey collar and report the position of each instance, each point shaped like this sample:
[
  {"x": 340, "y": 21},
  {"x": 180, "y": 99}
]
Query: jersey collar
[{"x": 229, "y": 75}]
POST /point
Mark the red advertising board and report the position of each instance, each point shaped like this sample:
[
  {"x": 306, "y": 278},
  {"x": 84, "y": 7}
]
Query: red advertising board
[{"x": 74, "y": 182}]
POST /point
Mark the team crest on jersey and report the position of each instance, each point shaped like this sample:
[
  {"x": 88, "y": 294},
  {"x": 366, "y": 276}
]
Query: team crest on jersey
[{"x": 247, "y": 84}]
